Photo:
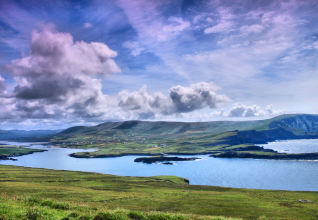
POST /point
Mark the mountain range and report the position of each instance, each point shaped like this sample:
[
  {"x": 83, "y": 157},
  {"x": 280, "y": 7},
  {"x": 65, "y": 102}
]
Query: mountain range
[{"x": 298, "y": 124}]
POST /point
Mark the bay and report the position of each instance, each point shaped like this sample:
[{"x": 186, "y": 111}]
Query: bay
[
  {"x": 294, "y": 146},
  {"x": 239, "y": 173}
]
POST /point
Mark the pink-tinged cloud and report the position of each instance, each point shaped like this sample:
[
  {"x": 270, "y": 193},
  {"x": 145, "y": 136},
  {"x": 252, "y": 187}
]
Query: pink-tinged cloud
[
  {"x": 55, "y": 79},
  {"x": 57, "y": 65},
  {"x": 181, "y": 100},
  {"x": 87, "y": 25}
]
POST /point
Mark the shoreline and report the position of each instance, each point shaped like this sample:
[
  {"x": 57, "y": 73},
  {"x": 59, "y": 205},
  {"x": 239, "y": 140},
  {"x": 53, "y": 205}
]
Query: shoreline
[
  {"x": 135, "y": 154},
  {"x": 278, "y": 156},
  {"x": 185, "y": 180},
  {"x": 233, "y": 154},
  {"x": 8, "y": 157}
]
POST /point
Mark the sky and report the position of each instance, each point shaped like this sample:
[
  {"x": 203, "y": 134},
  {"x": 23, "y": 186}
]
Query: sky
[{"x": 68, "y": 63}]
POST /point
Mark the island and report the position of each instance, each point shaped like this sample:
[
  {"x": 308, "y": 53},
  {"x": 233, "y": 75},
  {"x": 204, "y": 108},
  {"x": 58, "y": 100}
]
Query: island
[{"x": 156, "y": 159}]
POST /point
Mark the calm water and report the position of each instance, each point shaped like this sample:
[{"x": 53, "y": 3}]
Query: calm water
[
  {"x": 240, "y": 173},
  {"x": 293, "y": 146}
]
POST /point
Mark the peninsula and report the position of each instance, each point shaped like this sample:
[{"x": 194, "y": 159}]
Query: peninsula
[{"x": 239, "y": 139}]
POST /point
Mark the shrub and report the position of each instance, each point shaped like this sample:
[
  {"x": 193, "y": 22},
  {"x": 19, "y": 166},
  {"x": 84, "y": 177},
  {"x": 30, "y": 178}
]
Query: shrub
[
  {"x": 32, "y": 214},
  {"x": 55, "y": 205},
  {"x": 116, "y": 215},
  {"x": 137, "y": 215}
]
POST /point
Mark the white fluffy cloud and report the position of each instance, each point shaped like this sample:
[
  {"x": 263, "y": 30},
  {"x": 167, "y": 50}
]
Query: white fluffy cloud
[
  {"x": 197, "y": 96},
  {"x": 240, "y": 110},
  {"x": 181, "y": 100},
  {"x": 55, "y": 79},
  {"x": 271, "y": 111}
]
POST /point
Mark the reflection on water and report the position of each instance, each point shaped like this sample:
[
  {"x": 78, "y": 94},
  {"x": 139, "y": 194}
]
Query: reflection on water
[{"x": 240, "y": 173}]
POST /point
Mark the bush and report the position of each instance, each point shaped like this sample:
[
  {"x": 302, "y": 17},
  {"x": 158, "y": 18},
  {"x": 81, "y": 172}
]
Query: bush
[
  {"x": 33, "y": 201},
  {"x": 55, "y": 205},
  {"x": 110, "y": 216},
  {"x": 32, "y": 214},
  {"x": 164, "y": 216},
  {"x": 137, "y": 215},
  {"x": 84, "y": 217}
]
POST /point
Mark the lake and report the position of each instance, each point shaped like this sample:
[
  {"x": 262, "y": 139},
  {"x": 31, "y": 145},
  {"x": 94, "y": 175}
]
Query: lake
[{"x": 239, "y": 173}]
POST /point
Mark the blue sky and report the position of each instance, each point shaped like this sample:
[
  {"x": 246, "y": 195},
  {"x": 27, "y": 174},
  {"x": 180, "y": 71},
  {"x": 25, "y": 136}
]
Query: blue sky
[{"x": 66, "y": 63}]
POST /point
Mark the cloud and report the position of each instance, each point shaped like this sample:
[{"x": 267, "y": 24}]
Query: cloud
[
  {"x": 271, "y": 111},
  {"x": 87, "y": 25},
  {"x": 57, "y": 66},
  {"x": 240, "y": 110},
  {"x": 56, "y": 78},
  {"x": 151, "y": 25},
  {"x": 59, "y": 80},
  {"x": 181, "y": 100},
  {"x": 225, "y": 24},
  {"x": 217, "y": 114},
  {"x": 2, "y": 84},
  {"x": 255, "y": 28},
  {"x": 176, "y": 26},
  {"x": 140, "y": 99},
  {"x": 197, "y": 96},
  {"x": 136, "y": 49}
]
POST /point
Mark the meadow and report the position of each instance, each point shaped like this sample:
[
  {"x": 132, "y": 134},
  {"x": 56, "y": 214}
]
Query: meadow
[{"x": 30, "y": 193}]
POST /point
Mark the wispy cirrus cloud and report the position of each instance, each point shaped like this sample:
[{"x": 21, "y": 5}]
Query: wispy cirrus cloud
[
  {"x": 135, "y": 47},
  {"x": 259, "y": 54}
]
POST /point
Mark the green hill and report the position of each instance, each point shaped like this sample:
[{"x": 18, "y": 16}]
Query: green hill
[
  {"x": 297, "y": 124},
  {"x": 161, "y": 137}
]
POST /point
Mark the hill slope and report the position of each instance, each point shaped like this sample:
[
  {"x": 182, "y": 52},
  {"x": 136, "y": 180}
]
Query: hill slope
[
  {"x": 297, "y": 124},
  {"x": 18, "y": 134}
]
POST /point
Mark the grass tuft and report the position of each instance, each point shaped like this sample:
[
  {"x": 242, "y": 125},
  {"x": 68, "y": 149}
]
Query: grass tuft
[{"x": 33, "y": 214}]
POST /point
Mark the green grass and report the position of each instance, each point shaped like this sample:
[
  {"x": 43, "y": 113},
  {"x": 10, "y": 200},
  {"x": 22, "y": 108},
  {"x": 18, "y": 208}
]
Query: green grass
[
  {"x": 19, "y": 207},
  {"x": 61, "y": 194},
  {"x": 174, "y": 144},
  {"x": 13, "y": 150}
]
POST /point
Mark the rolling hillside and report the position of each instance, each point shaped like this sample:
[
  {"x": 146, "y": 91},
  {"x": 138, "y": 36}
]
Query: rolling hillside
[{"x": 297, "y": 124}]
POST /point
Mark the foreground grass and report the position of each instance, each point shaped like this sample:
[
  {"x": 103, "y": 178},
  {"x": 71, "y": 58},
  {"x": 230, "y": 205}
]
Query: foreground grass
[
  {"x": 26, "y": 191},
  {"x": 17, "y": 207}
]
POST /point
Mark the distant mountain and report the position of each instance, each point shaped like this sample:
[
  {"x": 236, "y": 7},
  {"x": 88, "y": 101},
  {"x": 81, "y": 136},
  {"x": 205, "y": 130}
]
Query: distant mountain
[
  {"x": 35, "y": 133},
  {"x": 14, "y": 134},
  {"x": 6, "y": 134},
  {"x": 298, "y": 124}
]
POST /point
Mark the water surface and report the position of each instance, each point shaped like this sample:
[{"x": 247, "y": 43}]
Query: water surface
[
  {"x": 294, "y": 146},
  {"x": 240, "y": 173}
]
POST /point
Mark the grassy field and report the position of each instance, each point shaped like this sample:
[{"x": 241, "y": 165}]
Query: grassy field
[
  {"x": 15, "y": 151},
  {"x": 169, "y": 144},
  {"x": 51, "y": 194}
]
